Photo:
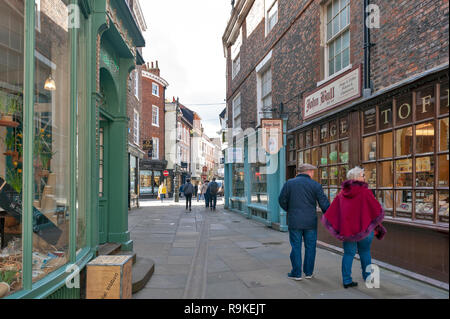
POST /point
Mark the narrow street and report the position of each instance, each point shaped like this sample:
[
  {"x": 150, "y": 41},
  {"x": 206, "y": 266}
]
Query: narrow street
[{"x": 223, "y": 255}]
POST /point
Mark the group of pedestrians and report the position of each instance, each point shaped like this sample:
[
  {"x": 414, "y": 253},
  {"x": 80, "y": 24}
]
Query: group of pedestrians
[
  {"x": 208, "y": 190},
  {"x": 354, "y": 217}
]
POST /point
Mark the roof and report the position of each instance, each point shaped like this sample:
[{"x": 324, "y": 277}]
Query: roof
[
  {"x": 187, "y": 114},
  {"x": 222, "y": 115}
]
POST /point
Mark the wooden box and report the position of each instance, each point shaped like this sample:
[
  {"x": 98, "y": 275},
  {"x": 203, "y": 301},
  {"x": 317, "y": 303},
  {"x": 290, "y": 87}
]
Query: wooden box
[{"x": 109, "y": 277}]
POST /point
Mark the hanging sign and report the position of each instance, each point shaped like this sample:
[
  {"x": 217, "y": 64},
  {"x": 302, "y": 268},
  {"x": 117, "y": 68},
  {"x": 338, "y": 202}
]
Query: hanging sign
[
  {"x": 272, "y": 135},
  {"x": 342, "y": 89}
]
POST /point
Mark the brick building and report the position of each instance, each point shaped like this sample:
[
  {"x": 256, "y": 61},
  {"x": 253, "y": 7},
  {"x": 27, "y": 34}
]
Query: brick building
[
  {"x": 152, "y": 128},
  {"x": 351, "y": 93}
]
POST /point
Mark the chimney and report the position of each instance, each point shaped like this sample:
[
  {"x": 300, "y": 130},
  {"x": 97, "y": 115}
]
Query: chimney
[
  {"x": 173, "y": 99},
  {"x": 154, "y": 69}
]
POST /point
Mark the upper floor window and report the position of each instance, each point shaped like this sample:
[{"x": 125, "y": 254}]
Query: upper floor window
[
  {"x": 237, "y": 112},
  {"x": 155, "y": 89},
  {"x": 136, "y": 127},
  {"x": 266, "y": 89},
  {"x": 136, "y": 84},
  {"x": 155, "y": 116},
  {"x": 155, "y": 154},
  {"x": 271, "y": 15},
  {"x": 337, "y": 35},
  {"x": 236, "y": 66}
]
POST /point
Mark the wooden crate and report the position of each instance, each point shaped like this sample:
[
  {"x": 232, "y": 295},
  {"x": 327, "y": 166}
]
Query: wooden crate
[{"x": 109, "y": 277}]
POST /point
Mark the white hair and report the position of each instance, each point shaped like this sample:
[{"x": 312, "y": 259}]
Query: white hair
[{"x": 354, "y": 173}]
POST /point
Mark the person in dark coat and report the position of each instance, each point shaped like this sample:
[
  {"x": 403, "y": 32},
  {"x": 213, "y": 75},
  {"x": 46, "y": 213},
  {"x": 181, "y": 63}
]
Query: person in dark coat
[
  {"x": 354, "y": 218},
  {"x": 188, "y": 190},
  {"x": 299, "y": 197},
  {"x": 207, "y": 198}
]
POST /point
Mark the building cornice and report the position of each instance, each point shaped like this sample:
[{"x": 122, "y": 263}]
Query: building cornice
[{"x": 155, "y": 78}]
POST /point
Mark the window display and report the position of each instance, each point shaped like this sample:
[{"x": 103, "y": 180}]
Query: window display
[
  {"x": 386, "y": 172},
  {"x": 259, "y": 184},
  {"x": 444, "y": 99},
  {"x": 370, "y": 170},
  {"x": 333, "y": 153},
  {"x": 386, "y": 198},
  {"x": 443, "y": 170},
  {"x": 146, "y": 182},
  {"x": 425, "y": 138},
  {"x": 443, "y": 135},
  {"x": 403, "y": 200},
  {"x": 370, "y": 148},
  {"x": 425, "y": 171},
  {"x": 425, "y": 102},
  {"x": 425, "y": 205},
  {"x": 403, "y": 170},
  {"x": 443, "y": 206},
  {"x": 343, "y": 152},
  {"x": 386, "y": 143},
  {"x": 238, "y": 180},
  {"x": 404, "y": 142}
]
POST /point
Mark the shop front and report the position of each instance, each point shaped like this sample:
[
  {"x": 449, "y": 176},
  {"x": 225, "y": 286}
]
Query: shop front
[
  {"x": 151, "y": 177},
  {"x": 60, "y": 110},
  {"x": 401, "y": 138}
]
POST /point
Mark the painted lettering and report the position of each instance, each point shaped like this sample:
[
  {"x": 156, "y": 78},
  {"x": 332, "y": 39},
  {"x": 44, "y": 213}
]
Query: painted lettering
[
  {"x": 400, "y": 111},
  {"x": 426, "y": 101},
  {"x": 386, "y": 117}
]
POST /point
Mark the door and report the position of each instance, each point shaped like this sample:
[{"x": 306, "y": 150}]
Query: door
[{"x": 103, "y": 182}]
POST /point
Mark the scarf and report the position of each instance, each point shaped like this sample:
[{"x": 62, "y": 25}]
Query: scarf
[{"x": 354, "y": 213}]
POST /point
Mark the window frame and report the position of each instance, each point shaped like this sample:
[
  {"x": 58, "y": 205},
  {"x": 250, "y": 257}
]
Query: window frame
[
  {"x": 155, "y": 153},
  {"x": 154, "y": 84},
  {"x": 268, "y": 16},
  {"x": 154, "y": 107},
  {"x": 239, "y": 115},
  {"x": 136, "y": 123}
]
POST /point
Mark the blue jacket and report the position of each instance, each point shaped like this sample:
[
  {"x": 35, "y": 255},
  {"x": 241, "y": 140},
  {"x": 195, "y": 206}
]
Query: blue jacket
[{"x": 299, "y": 197}]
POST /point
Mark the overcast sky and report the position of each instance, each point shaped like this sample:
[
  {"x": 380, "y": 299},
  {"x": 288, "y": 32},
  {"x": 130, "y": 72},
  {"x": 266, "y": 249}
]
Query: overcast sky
[{"x": 186, "y": 39}]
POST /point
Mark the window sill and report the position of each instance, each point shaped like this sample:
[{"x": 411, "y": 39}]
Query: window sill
[
  {"x": 157, "y": 125},
  {"x": 155, "y": 95},
  {"x": 348, "y": 67}
]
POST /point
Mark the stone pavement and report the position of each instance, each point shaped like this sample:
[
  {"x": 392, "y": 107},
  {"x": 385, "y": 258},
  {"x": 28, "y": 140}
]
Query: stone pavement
[{"x": 223, "y": 255}]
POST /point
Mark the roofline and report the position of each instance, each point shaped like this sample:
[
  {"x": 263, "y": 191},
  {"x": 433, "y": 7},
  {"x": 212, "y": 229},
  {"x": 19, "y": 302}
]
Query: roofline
[{"x": 154, "y": 77}]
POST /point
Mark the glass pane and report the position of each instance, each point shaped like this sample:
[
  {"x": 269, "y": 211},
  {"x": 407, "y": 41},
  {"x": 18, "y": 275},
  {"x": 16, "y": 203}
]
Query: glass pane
[
  {"x": 403, "y": 202},
  {"x": 146, "y": 182},
  {"x": 333, "y": 130},
  {"x": 334, "y": 176},
  {"x": 425, "y": 102},
  {"x": 444, "y": 98},
  {"x": 324, "y": 155},
  {"x": 386, "y": 199},
  {"x": 343, "y": 17},
  {"x": 308, "y": 139},
  {"x": 345, "y": 57},
  {"x": 331, "y": 66},
  {"x": 333, "y": 156},
  {"x": 338, "y": 62},
  {"x": 343, "y": 127},
  {"x": 329, "y": 12},
  {"x": 301, "y": 141},
  {"x": 425, "y": 171},
  {"x": 307, "y": 158},
  {"x": 443, "y": 170},
  {"x": 315, "y": 160},
  {"x": 404, "y": 109},
  {"x": 425, "y": 205},
  {"x": 443, "y": 135},
  {"x": 52, "y": 139},
  {"x": 11, "y": 130},
  {"x": 335, "y": 23},
  {"x": 386, "y": 145},
  {"x": 324, "y": 133},
  {"x": 329, "y": 31},
  {"x": 370, "y": 121},
  {"x": 443, "y": 206},
  {"x": 337, "y": 45},
  {"x": 300, "y": 158},
  {"x": 385, "y": 116},
  {"x": 343, "y": 169},
  {"x": 323, "y": 172},
  {"x": 425, "y": 137},
  {"x": 343, "y": 152},
  {"x": 370, "y": 171},
  {"x": 404, "y": 141},
  {"x": 259, "y": 184},
  {"x": 316, "y": 135},
  {"x": 386, "y": 174},
  {"x": 403, "y": 173},
  {"x": 333, "y": 193},
  {"x": 335, "y": 7},
  {"x": 238, "y": 180},
  {"x": 370, "y": 148}
]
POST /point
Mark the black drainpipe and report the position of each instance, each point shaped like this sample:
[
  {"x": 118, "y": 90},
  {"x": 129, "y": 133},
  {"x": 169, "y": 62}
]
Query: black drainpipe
[{"x": 367, "y": 85}]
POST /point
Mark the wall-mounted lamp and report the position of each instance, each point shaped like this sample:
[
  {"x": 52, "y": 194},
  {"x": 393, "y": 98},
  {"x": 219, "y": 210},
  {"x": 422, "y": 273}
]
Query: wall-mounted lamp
[{"x": 50, "y": 84}]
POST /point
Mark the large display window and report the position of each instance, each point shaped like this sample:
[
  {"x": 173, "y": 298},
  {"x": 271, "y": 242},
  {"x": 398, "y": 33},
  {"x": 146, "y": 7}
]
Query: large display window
[
  {"x": 238, "y": 180},
  {"x": 405, "y": 154}
]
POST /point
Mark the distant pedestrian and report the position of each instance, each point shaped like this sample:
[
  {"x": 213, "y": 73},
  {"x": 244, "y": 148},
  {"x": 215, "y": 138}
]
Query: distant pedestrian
[
  {"x": 188, "y": 190},
  {"x": 195, "y": 189},
  {"x": 354, "y": 217},
  {"x": 299, "y": 197},
  {"x": 205, "y": 192},
  {"x": 199, "y": 195},
  {"x": 213, "y": 188},
  {"x": 162, "y": 191}
]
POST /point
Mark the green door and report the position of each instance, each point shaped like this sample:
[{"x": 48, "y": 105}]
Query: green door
[{"x": 103, "y": 182}]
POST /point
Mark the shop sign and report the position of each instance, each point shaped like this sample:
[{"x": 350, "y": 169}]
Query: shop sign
[
  {"x": 147, "y": 145},
  {"x": 343, "y": 89},
  {"x": 272, "y": 136}
]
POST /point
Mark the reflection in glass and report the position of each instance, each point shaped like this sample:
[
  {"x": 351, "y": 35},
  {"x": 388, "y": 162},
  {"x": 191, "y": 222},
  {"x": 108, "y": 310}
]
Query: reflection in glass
[
  {"x": 404, "y": 142},
  {"x": 386, "y": 141},
  {"x": 308, "y": 138},
  {"x": 316, "y": 135},
  {"x": 334, "y": 176},
  {"x": 343, "y": 127},
  {"x": 443, "y": 134},
  {"x": 370, "y": 148},
  {"x": 425, "y": 205},
  {"x": 324, "y": 133},
  {"x": 403, "y": 202},
  {"x": 300, "y": 158},
  {"x": 323, "y": 172},
  {"x": 444, "y": 98},
  {"x": 386, "y": 199},
  {"x": 370, "y": 121},
  {"x": 324, "y": 155},
  {"x": 370, "y": 171},
  {"x": 403, "y": 173},
  {"x": 333, "y": 131},
  {"x": 386, "y": 174},
  {"x": 425, "y": 137},
  {"x": 315, "y": 156},
  {"x": 307, "y": 159},
  {"x": 259, "y": 184},
  {"x": 443, "y": 170},
  {"x": 385, "y": 116},
  {"x": 425, "y": 102},
  {"x": 333, "y": 153},
  {"x": 425, "y": 171},
  {"x": 443, "y": 204},
  {"x": 333, "y": 193},
  {"x": 301, "y": 142},
  {"x": 238, "y": 180}
]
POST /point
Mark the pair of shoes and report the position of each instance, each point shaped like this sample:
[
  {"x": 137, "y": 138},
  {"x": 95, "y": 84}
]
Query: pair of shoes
[
  {"x": 309, "y": 277},
  {"x": 352, "y": 284},
  {"x": 290, "y": 276}
]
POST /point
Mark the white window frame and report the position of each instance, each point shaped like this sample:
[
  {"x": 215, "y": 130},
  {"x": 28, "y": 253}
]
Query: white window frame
[
  {"x": 154, "y": 107},
  {"x": 136, "y": 127},
  {"x": 155, "y": 152},
  {"x": 235, "y": 114},
  {"x": 271, "y": 13},
  {"x": 155, "y": 85},
  {"x": 136, "y": 84},
  {"x": 334, "y": 38},
  {"x": 37, "y": 15},
  {"x": 262, "y": 67},
  {"x": 235, "y": 66}
]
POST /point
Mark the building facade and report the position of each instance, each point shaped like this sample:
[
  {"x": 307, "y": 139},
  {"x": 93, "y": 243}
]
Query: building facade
[
  {"x": 153, "y": 127},
  {"x": 63, "y": 91},
  {"x": 351, "y": 93}
]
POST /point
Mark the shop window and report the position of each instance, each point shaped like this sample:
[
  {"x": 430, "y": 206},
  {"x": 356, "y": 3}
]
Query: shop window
[
  {"x": 425, "y": 171},
  {"x": 333, "y": 194},
  {"x": 333, "y": 153},
  {"x": 370, "y": 170},
  {"x": 334, "y": 176},
  {"x": 386, "y": 174},
  {"x": 443, "y": 170},
  {"x": 343, "y": 170},
  {"x": 343, "y": 151},
  {"x": 238, "y": 180},
  {"x": 370, "y": 121},
  {"x": 333, "y": 130},
  {"x": 308, "y": 139},
  {"x": 323, "y": 173},
  {"x": 385, "y": 116},
  {"x": 386, "y": 145},
  {"x": 316, "y": 135},
  {"x": 324, "y": 133},
  {"x": 425, "y": 101},
  {"x": 444, "y": 99},
  {"x": 370, "y": 148},
  {"x": 343, "y": 127},
  {"x": 315, "y": 159},
  {"x": 403, "y": 200},
  {"x": 386, "y": 199},
  {"x": 404, "y": 142},
  {"x": 443, "y": 134},
  {"x": 300, "y": 160},
  {"x": 259, "y": 184},
  {"x": 404, "y": 109},
  {"x": 425, "y": 205},
  {"x": 324, "y": 155},
  {"x": 404, "y": 174},
  {"x": 443, "y": 205},
  {"x": 425, "y": 138},
  {"x": 307, "y": 158},
  {"x": 301, "y": 141}
]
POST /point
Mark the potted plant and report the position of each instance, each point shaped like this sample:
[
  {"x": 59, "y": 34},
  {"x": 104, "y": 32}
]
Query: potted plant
[
  {"x": 10, "y": 109},
  {"x": 14, "y": 178},
  {"x": 10, "y": 143}
]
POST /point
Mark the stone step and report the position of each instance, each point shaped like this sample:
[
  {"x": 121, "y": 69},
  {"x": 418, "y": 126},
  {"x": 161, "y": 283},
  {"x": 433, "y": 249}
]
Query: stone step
[
  {"x": 142, "y": 272},
  {"x": 108, "y": 249}
]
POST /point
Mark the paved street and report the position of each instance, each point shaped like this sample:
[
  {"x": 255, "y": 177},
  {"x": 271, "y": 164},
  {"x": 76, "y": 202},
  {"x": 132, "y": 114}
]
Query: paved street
[{"x": 221, "y": 254}]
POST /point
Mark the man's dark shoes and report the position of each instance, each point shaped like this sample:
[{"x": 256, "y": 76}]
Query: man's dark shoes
[
  {"x": 296, "y": 278},
  {"x": 352, "y": 284}
]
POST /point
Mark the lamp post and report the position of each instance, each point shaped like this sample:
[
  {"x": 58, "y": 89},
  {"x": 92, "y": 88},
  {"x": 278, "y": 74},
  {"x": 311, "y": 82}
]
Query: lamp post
[{"x": 176, "y": 177}]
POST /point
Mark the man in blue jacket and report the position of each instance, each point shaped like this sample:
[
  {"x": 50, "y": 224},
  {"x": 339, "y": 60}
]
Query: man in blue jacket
[{"x": 299, "y": 197}]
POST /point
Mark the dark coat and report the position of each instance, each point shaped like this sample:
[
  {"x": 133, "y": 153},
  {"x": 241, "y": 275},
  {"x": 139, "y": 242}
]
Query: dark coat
[{"x": 299, "y": 197}]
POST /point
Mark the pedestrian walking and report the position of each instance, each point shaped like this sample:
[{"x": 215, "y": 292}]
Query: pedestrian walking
[
  {"x": 199, "y": 196},
  {"x": 195, "y": 189},
  {"x": 213, "y": 189},
  {"x": 162, "y": 191},
  {"x": 354, "y": 217},
  {"x": 299, "y": 197},
  {"x": 205, "y": 191},
  {"x": 188, "y": 190}
]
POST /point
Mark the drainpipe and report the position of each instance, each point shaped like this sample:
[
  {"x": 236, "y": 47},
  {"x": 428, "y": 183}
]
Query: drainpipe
[{"x": 367, "y": 89}]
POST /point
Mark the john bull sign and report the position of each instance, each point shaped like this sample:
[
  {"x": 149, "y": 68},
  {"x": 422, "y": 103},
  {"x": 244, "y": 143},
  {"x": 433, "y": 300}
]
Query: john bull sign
[{"x": 344, "y": 88}]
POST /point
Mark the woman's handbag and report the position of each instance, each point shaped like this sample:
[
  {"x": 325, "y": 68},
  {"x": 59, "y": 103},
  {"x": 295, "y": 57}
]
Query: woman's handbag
[{"x": 380, "y": 232}]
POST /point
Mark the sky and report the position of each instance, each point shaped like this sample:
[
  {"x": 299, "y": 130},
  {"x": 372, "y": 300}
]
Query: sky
[{"x": 186, "y": 39}]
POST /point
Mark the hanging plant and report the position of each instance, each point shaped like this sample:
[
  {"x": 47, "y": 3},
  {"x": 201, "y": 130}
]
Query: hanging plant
[{"x": 14, "y": 178}]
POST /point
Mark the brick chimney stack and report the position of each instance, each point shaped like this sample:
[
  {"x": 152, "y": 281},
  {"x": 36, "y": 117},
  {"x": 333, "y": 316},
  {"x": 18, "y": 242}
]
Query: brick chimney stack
[{"x": 152, "y": 68}]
